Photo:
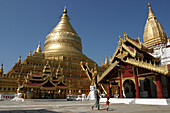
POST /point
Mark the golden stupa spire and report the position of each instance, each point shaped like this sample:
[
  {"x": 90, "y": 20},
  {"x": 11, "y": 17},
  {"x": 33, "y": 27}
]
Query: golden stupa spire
[
  {"x": 154, "y": 33},
  {"x": 64, "y": 24},
  {"x": 65, "y": 9},
  {"x": 150, "y": 13}
]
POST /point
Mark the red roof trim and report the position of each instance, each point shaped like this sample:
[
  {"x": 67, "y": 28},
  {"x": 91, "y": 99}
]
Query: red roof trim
[
  {"x": 62, "y": 86},
  {"x": 37, "y": 74},
  {"x": 48, "y": 87},
  {"x": 33, "y": 84},
  {"x": 131, "y": 48}
]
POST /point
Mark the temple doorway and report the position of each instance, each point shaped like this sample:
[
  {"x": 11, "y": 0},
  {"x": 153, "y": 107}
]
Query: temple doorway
[
  {"x": 147, "y": 88},
  {"x": 128, "y": 89}
]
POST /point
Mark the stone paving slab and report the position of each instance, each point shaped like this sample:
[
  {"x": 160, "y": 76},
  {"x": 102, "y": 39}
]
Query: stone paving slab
[{"x": 77, "y": 107}]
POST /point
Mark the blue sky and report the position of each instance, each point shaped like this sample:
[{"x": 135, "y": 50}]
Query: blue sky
[{"x": 23, "y": 23}]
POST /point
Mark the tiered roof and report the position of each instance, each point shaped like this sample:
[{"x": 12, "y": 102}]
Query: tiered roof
[
  {"x": 134, "y": 52},
  {"x": 45, "y": 80}
]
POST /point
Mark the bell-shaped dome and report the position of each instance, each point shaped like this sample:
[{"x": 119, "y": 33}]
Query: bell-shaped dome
[
  {"x": 63, "y": 39},
  {"x": 153, "y": 33}
]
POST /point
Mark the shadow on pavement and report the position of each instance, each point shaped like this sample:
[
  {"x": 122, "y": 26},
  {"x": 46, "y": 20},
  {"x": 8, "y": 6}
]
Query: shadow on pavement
[
  {"x": 104, "y": 109},
  {"x": 29, "y": 111}
]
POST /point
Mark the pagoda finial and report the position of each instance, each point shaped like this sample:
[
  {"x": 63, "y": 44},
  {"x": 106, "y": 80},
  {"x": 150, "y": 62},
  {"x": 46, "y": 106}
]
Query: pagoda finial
[
  {"x": 1, "y": 69},
  {"x": 149, "y": 5},
  {"x": 39, "y": 47},
  {"x": 19, "y": 60},
  {"x": 124, "y": 34},
  {"x": 138, "y": 39},
  {"x": 65, "y": 9},
  {"x": 30, "y": 53},
  {"x": 39, "y": 44},
  {"x": 150, "y": 13},
  {"x": 106, "y": 61},
  {"x": 120, "y": 40},
  {"x": 168, "y": 42}
]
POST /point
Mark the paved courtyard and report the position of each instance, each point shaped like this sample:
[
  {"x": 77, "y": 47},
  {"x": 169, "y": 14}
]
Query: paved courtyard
[{"x": 62, "y": 106}]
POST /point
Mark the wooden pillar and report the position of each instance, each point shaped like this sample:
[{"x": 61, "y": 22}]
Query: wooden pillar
[
  {"x": 108, "y": 89},
  {"x": 121, "y": 92},
  {"x": 159, "y": 87},
  {"x": 137, "y": 87}
]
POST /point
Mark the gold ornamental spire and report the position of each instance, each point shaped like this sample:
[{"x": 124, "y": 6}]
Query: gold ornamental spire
[
  {"x": 19, "y": 60},
  {"x": 64, "y": 24},
  {"x": 1, "y": 69},
  {"x": 154, "y": 33},
  {"x": 168, "y": 42},
  {"x": 65, "y": 9},
  {"x": 150, "y": 13},
  {"x": 47, "y": 68},
  {"x": 38, "y": 51},
  {"x": 39, "y": 48},
  {"x": 59, "y": 71},
  {"x": 106, "y": 61},
  {"x": 30, "y": 53}
]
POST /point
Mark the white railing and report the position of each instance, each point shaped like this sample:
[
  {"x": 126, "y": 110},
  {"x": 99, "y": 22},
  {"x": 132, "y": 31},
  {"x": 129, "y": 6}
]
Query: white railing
[{"x": 7, "y": 96}]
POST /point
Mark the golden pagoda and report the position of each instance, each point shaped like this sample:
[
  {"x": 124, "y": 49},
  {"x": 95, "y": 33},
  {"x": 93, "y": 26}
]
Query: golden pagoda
[
  {"x": 154, "y": 33},
  {"x": 63, "y": 54},
  {"x": 63, "y": 41}
]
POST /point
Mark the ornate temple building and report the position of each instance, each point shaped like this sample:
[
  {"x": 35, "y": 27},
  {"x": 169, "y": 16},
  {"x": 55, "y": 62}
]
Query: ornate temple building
[
  {"x": 155, "y": 37},
  {"x": 63, "y": 53},
  {"x": 44, "y": 85},
  {"x": 139, "y": 70},
  {"x": 136, "y": 69}
]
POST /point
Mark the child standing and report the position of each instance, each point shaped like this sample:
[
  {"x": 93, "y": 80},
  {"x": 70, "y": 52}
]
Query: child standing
[{"x": 107, "y": 103}]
